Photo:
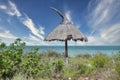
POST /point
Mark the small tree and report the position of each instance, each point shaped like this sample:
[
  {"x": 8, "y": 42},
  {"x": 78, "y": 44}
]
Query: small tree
[
  {"x": 10, "y": 58},
  {"x": 17, "y": 46}
]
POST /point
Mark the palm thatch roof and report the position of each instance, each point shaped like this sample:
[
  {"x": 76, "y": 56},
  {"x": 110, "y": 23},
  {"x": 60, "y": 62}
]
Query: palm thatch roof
[{"x": 65, "y": 31}]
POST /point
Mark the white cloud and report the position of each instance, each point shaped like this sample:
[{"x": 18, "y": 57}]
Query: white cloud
[
  {"x": 31, "y": 37},
  {"x": 101, "y": 7},
  {"x": 7, "y": 34},
  {"x": 104, "y": 25},
  {"x": 103, "y": 13},
  {"x": 101, "y": 18},
  {"x": 106, "y": 36},
  {"x": 29, "y": 24},
  {"x": 41, "y": 30},
  {"x": 95, "y": 40},
  {"x": 13, "y": 10},
  {"x": 68, "y": 15},
  {"x": 78, "y": 26},
  {"x": 32, "y": 40},
  {"x": 3, "y": 7},
  {"x": 111, "y": 34}
]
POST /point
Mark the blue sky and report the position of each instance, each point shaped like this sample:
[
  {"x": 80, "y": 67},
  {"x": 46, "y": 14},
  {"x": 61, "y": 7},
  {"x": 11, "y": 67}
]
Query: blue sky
[{"x": 32, "y": 20}]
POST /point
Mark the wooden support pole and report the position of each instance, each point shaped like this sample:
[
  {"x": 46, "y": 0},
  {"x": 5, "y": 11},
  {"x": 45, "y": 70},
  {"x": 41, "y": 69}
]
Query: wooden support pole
[{"x": 66, "y": 49}]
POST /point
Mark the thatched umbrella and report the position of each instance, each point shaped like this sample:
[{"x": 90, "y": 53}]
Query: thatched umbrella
[{"x": 65, "y": 31}]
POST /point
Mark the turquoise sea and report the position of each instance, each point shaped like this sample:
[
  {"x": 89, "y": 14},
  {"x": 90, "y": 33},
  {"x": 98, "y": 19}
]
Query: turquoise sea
[{"x": 74, "y": 50}]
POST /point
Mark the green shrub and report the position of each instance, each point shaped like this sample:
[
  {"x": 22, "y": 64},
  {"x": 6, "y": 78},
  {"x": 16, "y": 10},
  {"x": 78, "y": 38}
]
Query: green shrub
[
  {"x": 10, "y": 58},
  {"x": 100, "y": 60},
  {"x": 30, "y": 63},
  {"x": 46, "y": 70},
  {"x": 58, "y": 64},
  {"x": 116, "y": 58},
  {"x": 2, "y": 45},
  {"x": 117, "y": 67},
  {"x": 17, "y": 46}
]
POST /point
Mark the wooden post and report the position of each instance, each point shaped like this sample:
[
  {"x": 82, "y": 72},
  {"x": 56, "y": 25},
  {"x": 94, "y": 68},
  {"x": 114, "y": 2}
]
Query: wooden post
[
  {"x": 66, "y": 52},
  {"x": 66, "y": 49}
]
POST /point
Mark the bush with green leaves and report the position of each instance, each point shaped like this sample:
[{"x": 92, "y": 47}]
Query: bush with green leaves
[
  {"x": 46, "y": 69},
  {"x": 58, "y": 64},
  {"x": 116, "y": 58},
  {"x": 17, "y": 46},
  {"x": 117, "y": 67},
  {"x": 100, "y": 60},
  {"x": 2, "y": 45},
  {"x": 10, "y": 58},
  {"x": 30, "y": 65}
]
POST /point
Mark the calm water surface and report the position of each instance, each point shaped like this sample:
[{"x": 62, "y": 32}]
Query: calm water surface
[{"x": 74, "y": 50}]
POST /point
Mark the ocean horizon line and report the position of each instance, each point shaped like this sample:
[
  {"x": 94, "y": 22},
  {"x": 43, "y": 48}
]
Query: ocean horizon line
[{"x": 74, "y": 45}]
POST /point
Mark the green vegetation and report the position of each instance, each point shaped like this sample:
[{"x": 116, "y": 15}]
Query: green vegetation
[
  {"x": 17, "y": 65},
  {"x": 117, "y": 62},
  {"x": 100, "y": 60}
]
